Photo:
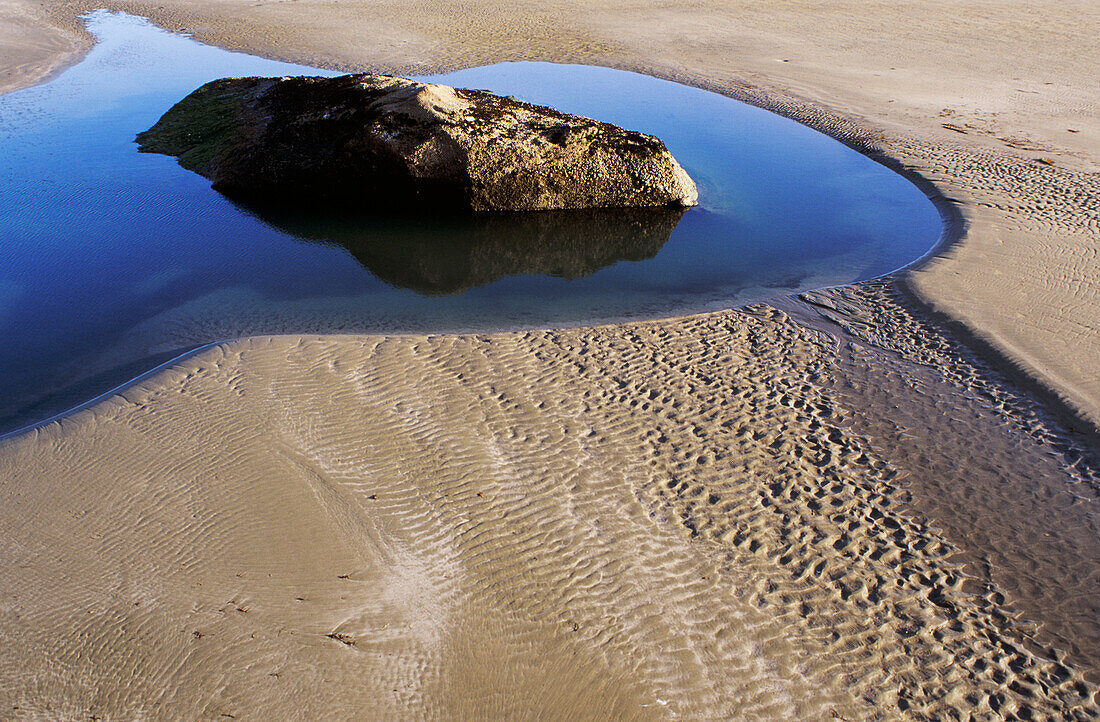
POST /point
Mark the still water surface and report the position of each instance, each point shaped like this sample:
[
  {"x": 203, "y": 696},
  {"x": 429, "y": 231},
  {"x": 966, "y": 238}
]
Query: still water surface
[{"x": 112, "y": 261}]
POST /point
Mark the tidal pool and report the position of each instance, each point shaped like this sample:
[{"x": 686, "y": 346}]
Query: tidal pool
[{"x": 113, "y": 261}]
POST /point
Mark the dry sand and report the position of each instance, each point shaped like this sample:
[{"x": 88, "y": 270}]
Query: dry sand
[{"x": 834, "y": 509}]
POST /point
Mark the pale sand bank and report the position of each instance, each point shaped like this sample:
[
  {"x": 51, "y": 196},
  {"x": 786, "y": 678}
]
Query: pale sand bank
[
  {"x": 850, "y": 475},
  {"x": 649, "y": 520},
  {"x": 32, "y": 48}
]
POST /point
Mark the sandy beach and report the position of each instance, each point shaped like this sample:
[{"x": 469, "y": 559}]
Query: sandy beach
[{"x": 872, "y": 502}]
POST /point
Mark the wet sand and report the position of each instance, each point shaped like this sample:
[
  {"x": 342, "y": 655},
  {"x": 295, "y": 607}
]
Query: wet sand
[
  {"x": 33, "y": 46},
  {"x": 877, "y": 502}
]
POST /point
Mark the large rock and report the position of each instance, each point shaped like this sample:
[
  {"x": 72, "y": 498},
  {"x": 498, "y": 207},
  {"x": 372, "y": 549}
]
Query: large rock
[{"x": 382, "y": 141}]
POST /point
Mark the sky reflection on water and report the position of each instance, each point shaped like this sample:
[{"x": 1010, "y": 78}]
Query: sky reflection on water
[{"x": 111, "y": 260}]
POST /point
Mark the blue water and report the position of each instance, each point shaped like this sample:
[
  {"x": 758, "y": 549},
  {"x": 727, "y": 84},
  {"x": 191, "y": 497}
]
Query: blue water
[{"x": 112, "y": 260}]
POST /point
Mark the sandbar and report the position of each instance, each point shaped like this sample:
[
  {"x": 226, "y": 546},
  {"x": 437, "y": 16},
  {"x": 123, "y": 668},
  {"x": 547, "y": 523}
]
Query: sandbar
[{"x": 869, "y": 502}]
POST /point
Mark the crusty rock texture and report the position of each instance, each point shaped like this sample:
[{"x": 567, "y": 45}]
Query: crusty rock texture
[{"x": 382, "y": 140}]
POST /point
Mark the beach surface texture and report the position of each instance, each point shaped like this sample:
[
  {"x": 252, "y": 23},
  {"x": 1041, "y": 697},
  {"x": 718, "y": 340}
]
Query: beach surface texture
[{"x": 872, "y": 502}]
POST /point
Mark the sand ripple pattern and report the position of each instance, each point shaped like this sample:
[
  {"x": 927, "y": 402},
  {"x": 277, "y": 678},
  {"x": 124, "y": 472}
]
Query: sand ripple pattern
[{"x": 663, "y": 520}]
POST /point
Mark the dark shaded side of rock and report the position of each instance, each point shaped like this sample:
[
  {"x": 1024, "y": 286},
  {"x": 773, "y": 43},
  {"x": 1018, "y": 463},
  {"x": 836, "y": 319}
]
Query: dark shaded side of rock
[
  {"x": 448, "y": 255},
  {"x": 372, "y": 141}
]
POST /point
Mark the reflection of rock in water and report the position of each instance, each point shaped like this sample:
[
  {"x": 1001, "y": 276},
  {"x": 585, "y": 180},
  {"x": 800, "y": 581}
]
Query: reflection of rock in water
[{"x": 446, "y": 255}]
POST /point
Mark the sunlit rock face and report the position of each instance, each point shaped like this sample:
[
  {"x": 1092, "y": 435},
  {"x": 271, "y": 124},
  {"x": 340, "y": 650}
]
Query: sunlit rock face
[{"x": 381, "y": 141}]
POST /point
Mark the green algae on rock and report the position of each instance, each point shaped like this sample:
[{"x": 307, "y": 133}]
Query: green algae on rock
[{"x": 382, "y": 141}]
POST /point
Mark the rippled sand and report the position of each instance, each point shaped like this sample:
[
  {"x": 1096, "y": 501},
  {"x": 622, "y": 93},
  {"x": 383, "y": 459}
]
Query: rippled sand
[
  {"x": 833, "y": 509},
  {"x": 669, "y": 518}
]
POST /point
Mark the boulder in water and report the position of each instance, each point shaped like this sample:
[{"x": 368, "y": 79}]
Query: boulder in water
[{"x": 381, "y": 141}]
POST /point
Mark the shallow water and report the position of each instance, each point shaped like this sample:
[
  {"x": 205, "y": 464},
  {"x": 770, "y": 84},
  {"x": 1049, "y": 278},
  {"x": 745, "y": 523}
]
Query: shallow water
[{"x": 112, "y": 261}]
